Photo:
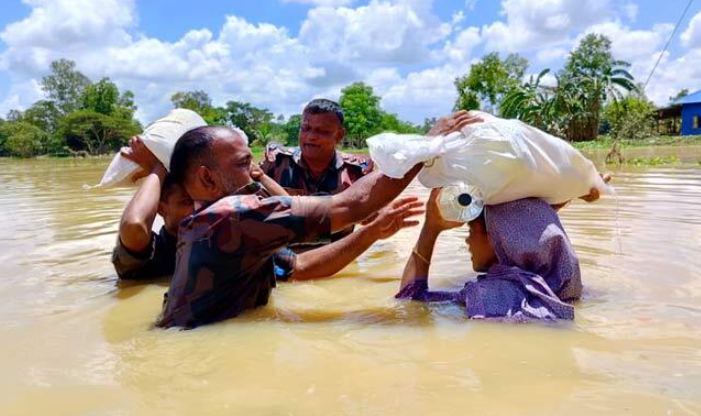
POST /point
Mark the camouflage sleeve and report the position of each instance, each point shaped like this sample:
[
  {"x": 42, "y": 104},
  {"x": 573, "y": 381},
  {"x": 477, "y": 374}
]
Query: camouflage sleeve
[
  {"x": 268, "y": 224},
  {"x": 130, "y": 265},
  {"x": 365, "y": 163},
  {"x": 284, "y": 264}
]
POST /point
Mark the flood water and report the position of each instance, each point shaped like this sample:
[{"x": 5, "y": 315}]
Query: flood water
[{"x": 74, "y": 342}]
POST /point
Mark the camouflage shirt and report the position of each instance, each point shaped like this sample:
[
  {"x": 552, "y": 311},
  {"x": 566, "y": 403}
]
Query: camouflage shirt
[
  {"x": 157, "y": 261},
  {"x": 287, "y": 167},
  {"x": 230, "y": 252}
]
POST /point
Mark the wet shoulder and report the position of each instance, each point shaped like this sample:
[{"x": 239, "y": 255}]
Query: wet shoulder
[
  {"x": 276, "y": 153},
  {"x": 360, "y": 164}
]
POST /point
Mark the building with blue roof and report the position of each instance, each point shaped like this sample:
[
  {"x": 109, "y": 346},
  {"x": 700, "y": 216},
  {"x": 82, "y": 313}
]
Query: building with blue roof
[
  {"x": 691, "y": 114},
  {"x": 682, "y": 116}
]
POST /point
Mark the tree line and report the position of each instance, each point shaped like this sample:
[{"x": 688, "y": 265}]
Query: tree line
[
  {"x": 81, "y": 117},
  {"x": 592, "y": 94}
]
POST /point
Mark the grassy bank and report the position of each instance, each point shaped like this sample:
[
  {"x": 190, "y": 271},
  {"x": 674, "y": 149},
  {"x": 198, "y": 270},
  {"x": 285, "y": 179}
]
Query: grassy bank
[{"x": 606, "y": 142}]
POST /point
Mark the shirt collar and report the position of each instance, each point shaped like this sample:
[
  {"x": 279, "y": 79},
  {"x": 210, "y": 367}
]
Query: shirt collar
[
  {"x": 336, "y": 162},
  {"x": 250, "y": 189}
]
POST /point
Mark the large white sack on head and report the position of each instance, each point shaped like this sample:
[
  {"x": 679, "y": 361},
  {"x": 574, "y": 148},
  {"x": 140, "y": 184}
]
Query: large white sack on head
[
  {"x": 506, "y": 159},
  {"x": 160, "y": 138}
]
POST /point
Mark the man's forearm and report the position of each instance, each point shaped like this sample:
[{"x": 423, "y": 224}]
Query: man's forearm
[
  {"x": 367, "y": 196},
  {"x": 273, "y": 187},
  {"x": 330, "y": 259},
  {"x": 140, "y": 213}
]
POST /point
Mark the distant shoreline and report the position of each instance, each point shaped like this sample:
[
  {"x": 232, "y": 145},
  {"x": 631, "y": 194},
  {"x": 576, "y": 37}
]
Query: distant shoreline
[{"x": 602, "y": 144}]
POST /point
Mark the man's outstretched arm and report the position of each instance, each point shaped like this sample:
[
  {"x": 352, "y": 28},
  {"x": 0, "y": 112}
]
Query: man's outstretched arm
[
  {"x": 374, "y": 191},
  {"x": 329, "y": 260}
]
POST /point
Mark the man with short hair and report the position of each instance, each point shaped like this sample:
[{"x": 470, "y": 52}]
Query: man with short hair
[
  {"x": 227, "y": 249},
  {"x": 140, "y": 253},
  {"x": 316, "y": 167}
]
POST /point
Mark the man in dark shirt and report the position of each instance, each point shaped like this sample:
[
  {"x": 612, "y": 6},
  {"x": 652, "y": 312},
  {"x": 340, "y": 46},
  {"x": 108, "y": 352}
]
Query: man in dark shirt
[
  {"x": 226, "y": 250},
  {"x": 140, "y": 253},
  {"x": 316, "y": 167}
]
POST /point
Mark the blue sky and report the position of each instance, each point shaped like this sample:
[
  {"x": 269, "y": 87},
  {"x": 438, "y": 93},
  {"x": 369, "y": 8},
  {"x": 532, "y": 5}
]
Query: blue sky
[{"x": 282, "y": 53}]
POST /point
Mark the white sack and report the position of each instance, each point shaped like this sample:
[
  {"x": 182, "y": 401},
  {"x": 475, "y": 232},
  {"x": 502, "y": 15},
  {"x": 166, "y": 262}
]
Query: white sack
[
  {"x": 506, "y": 159},
  {"x": 160, "y": 138}
]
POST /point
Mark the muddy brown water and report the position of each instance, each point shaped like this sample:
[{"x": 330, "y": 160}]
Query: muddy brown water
[{"x": 73, "y": 342}]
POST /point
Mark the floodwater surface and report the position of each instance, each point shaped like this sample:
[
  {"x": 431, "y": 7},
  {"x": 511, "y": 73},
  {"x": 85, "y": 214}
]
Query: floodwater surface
[{"x": 74, "y": 342}]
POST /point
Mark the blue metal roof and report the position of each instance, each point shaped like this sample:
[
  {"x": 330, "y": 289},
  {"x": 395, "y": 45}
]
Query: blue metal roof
[{"x": 692, "y": 98}]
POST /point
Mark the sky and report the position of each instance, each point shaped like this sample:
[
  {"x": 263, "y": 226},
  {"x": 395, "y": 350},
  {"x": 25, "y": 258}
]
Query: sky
[{"x": 280, "y": 54}]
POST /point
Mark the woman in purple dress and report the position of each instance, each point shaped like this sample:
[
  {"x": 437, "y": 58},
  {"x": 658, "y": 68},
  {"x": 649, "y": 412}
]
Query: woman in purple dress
[{"x": 530, "y": 270}]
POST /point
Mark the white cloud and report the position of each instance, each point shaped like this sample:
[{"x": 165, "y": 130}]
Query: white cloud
[
  {"x": 632, "y": 45},
  {"x": 20, "y": 96},
  {"x": 691, "y": 37},
  {"x": 630, "y": 10},
  {"x": 382, "y": 31},
  {"x": 533, "y": 24}
]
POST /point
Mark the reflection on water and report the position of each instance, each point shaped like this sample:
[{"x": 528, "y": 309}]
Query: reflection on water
[{"x": 74, "y": 342}]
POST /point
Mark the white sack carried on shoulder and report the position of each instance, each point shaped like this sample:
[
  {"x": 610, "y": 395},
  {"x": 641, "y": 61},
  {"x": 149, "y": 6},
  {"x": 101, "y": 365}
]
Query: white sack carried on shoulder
[
  {"x": 506, "y": 159},
  {"x": 160, "y": 138}
]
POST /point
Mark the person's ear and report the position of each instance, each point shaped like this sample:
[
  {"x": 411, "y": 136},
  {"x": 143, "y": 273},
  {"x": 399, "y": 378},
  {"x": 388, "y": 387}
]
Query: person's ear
[
  {"x": 340, "y": 135},
  {"x": 161, "y": 209},
  {"x": 207, "y": 180}
]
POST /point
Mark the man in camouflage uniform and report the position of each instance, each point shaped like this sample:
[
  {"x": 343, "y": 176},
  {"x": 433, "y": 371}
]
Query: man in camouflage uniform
[{"x": 316, "y": 167}]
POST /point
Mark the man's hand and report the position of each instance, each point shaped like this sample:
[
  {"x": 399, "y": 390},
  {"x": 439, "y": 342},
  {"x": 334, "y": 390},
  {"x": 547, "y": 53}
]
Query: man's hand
[
  {"x": 395, "y": 217},
  {"x": 434, "y": 218},
  {"x": 452, "y": 123},
  {"x": 138, "y": 153}
]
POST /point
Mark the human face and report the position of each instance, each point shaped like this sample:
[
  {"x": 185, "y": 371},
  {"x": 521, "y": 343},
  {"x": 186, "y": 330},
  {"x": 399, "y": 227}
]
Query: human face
[
  {"x": 319, "y": 135},
  {"x": 228, "y": 172},
  {"x": 483, "y": 256},
  {"x": 177, "y": 206}
]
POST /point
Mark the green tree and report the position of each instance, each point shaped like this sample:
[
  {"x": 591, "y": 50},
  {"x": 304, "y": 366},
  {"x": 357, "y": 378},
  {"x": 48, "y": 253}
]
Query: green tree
[
  {"x": 591, "y": 77},
  {"x": 65, "y": 86},
  {"x": 681, "y": 94},
  {"x": 392, "y": 123},
  {"x": 95, "y": 132},
  {"x": 362, "y": 112},
  {"x": 105, "y": 98},
  {"x": 201, "y": 103},
  {"x": 101, "y": 97},
  {"x": 291, "y": 129},
  {"x": 427, "y": 124},
  {"x": 533, "y": 103},
  {"x": 630, "y": 118},
  {"x": 14, "y": 115},
  {"x": 22, "y": 139},
  {"x": 43, "y": 114},
  {"x": 488, "y": 80},
  {"x": 252, "y": 120}
]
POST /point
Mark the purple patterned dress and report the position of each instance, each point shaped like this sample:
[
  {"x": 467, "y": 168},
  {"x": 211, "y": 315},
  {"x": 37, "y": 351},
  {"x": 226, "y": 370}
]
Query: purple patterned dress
[{"x": 537, "y": 275}]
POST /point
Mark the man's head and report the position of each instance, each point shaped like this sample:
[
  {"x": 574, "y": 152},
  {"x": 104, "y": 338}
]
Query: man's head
[
  {"x": 321, "y": 131},
  {"x": 211, "y": 162},
  {"x": 175, "y": 204},
  {"x": 480, "y": 246}
]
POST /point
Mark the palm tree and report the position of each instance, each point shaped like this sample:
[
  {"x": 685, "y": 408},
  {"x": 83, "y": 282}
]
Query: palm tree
[{"x": 592, "y": 90}]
